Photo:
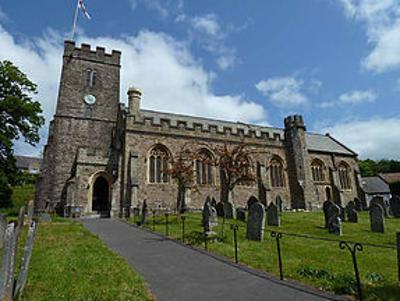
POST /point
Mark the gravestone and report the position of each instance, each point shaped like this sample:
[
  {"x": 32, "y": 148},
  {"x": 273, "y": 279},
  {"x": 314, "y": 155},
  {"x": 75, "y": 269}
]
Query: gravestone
[
  {"x": 395, "y": 206},
  {"x": 220, "y": 209},
  {"x": 379, "y": 200},
  {"x": 144, "y": 213},
  {"x": 214, "y": 202},
  {"x": 229, "y": 210},
  {"x": 30, "y": 211},
  {"x": 23, "y": 273},
  {"x": 358, "y": 203},
  {"x": 21, "y": 217},
  {"x": 325, "y": 207},
  {"x": 334, "y": 220},
  {"x": 8, "y": 263},
  {"x": 279, "y": 203},
  {"x": 377, "y": 218},
  {"x": 44, "y": 218},
  {"x": 256, "y": 222},
  {"x": 352, "y": 215},
  {"x": 252, "y": 200},
  {"x": 335, "y": 225},
  {"x": 209, "y": 217},
  {"x": 241, "y": 214},
  {"x": 273, "y": 218},
  {"x": 3, "y": 227}
]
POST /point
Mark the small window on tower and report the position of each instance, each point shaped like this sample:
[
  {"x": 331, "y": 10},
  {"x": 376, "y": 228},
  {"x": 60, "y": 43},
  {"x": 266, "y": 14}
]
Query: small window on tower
[{"x": 90, "y": 78}]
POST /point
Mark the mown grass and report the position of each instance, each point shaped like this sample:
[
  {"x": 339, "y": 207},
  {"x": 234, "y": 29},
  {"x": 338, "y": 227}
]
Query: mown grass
[
  {"x": 69, "y": 263},
  {"x": 315, "y": 262}
]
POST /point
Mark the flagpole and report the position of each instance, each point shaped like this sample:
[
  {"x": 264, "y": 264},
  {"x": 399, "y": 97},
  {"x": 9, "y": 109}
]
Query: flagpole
[{"x": 75, "y": 20}]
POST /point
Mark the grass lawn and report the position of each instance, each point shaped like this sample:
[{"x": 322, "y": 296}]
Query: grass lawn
[
  {"x": 319, "y": 263},
  {"x": 69, "y": 263}
]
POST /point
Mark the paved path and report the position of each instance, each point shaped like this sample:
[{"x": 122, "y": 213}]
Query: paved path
[{"x": 178, "y": 273}]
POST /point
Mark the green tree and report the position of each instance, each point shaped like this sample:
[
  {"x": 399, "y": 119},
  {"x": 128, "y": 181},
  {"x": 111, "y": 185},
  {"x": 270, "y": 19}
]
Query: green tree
[{"x": 20, "y": 116}]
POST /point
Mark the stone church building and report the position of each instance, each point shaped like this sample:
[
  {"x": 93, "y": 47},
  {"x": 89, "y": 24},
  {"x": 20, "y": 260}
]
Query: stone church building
[{"x": 103, "y": 157}]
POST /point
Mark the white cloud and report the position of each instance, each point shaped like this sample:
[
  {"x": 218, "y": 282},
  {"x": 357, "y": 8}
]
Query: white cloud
[
  {"x": 207, "y": 24},
  {"x": 208, "y": 32},
  {"x": 382, "y": 21},
  {"x": 356, "y": 97},
  {"x": 283, "y": 91},
  {"x": 377, "y": 138},
  {"x": 163, "y": 68}
]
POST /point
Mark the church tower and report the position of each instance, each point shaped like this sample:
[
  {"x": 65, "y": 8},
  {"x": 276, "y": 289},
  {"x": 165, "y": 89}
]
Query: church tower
[{"x": 86, "y": 113}]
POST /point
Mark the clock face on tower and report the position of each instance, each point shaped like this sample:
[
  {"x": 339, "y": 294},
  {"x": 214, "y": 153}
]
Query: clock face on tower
[{"x": 89, "y": 99}]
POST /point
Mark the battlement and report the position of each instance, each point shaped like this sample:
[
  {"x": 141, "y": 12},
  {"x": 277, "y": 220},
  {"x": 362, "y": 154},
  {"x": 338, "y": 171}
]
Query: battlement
[
  {"x": 217, "y": 129},
  {"x": 98, "y": 55},
  {"x": 294, "y": 121}
]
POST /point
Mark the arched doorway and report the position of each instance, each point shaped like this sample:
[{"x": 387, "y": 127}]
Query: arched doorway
[{"x": 101, "y": 197}]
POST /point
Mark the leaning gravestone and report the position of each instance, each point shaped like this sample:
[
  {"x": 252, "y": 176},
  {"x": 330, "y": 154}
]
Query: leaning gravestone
[
  {"x": 325, "y": 207},
  {"x": 3, "y": 227},
  {"x": 256, "y": 222},
  {"x": 241, "y": 214},
  {"x": 23, "y": 273},
  {"x": 229, "y": 210},
  {"x": 8, "y": 263},
  {"x": 377, "y": 218},
  {"x": 279, "y": 203},
  {"x": 209, "y": 217},
  {"x": 252, "y": 200},
  {"x": 352, "y": 215},
  {"x": 220, "y": 209},
  {"x": 273, "y": 215},
  {"x": 395, "y": 206},
  {"x": 379, "y": 200}
]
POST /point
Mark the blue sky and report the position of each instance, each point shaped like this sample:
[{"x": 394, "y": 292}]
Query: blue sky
[{"x": 336, "y": 62}]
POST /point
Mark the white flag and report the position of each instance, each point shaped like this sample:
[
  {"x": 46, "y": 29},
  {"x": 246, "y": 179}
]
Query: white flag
[{"x": 82, "y": 7}]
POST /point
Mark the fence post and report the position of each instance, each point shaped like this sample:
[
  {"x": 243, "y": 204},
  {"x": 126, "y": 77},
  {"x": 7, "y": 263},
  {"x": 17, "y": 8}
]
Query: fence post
[
  {"x": 183, "y": 227},
  {"x": 166, "y": 224},
  {"x": 154, "y": 220},
  {"x": 278, "y": 237},
  {"x": 353, "y": 251},
  {"x": 398, "y": 252},
  {"x": 235, "y": 227},
  {"x": 205, "y": 240}
]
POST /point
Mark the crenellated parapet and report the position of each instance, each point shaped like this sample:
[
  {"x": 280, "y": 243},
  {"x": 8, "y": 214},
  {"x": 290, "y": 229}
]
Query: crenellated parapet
[
  {"x": 85, "y": 52},
  {"x": 192, "y": 126},
  {"x": 294, "y": 121}
]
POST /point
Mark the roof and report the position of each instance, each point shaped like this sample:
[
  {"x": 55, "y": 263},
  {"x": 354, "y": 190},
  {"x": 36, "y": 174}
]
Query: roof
[
  {"x": 325, "y": 143},
  {"x": 25, "y": 162},
  {"x": 373, "y": 185},
  {"x": 315, "y": 142},
  {"x": 391, "y": 177}
]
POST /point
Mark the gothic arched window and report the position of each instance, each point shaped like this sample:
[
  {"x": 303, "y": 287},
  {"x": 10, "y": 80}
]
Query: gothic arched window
[
  {"x": 318, "y": 171},
  {"x": 276, "y": 172},
  {"x": 158, "y": 165},
  {"x": 344, "y": 176},
  {"x": 90, "y": 78},
  {"x": 204, "y": 168}
]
